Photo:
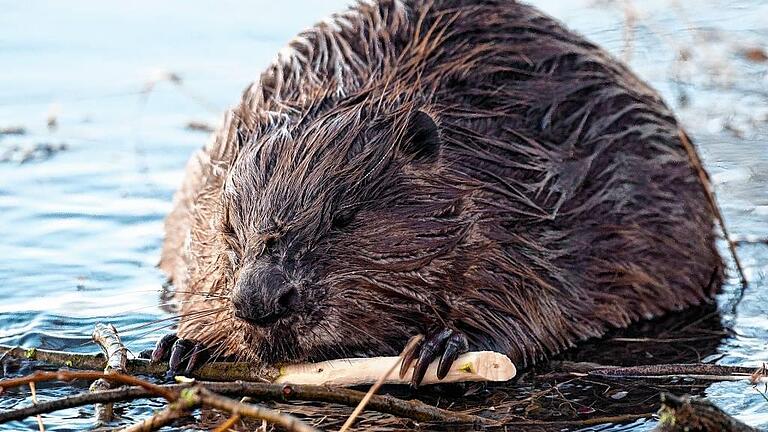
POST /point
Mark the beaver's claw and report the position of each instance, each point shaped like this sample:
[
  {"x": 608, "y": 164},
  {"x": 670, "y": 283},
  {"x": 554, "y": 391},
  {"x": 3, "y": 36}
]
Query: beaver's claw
[
  {"x": 445, "y": 344},
  {"x": 183, "y": 355}
]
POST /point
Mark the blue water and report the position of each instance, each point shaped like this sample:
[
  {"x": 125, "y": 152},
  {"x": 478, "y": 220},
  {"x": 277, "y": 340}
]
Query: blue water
[{"x": 81, "y": 228}]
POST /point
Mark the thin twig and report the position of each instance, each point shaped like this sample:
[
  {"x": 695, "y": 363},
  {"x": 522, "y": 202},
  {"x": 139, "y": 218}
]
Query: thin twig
[
  {"x": 196, "y": 396},
  {"x": 697, "y": 371},
  {"x": 668, "y": 340},
  {"x": 224, "y": 427},
  {"x": 234, "y": 418},
  {"x": 40, "y": 424},
  {"x": 630, "y": 21},
  {"x": 748, "y": 241},
  {"x": 7, "y": 351},
  {"x": 710, "y": 193},
  {"x": 286, "y": 421},
  {"x": 164, "y": 417},
  {"x": 42, "y": 376},
  {"x": 82, "y": 399},
  {"x": 375, "y": 387}
]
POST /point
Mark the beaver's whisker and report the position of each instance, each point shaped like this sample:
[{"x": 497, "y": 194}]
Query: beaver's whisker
[
  {"x": 163, "y": 291},
  {"x": 206, "y": 294},
  {"x": 173, "y": 317},
  {"x": 337, "y": 349},
  {"x": 359, "y": 329},
  {"x": 162, "y": 305},
  {"x": 155, "y": 329},
  {"x": 221, "y": 346},
  {"x": 152, "y": 330}
]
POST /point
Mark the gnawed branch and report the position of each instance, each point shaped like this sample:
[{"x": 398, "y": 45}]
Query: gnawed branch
[{"x": 474, "y": 366}]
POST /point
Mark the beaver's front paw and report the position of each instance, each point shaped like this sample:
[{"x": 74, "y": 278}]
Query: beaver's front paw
[
  {"x": 445, "y": 344},
  {"x": 183, "y": 355}
]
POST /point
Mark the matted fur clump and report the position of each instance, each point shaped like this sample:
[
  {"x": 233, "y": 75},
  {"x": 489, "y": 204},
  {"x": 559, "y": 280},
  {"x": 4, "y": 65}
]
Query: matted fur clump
[{"x": 469, "y": 170}]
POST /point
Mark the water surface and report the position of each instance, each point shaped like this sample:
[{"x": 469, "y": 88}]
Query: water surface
[{"x": 81, "y": 224}]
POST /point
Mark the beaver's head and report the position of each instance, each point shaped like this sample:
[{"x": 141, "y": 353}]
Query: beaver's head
[{"x": 343, "y": 233}]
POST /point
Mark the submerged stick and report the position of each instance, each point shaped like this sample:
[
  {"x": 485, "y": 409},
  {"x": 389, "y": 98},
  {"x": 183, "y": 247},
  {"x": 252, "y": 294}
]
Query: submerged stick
[
  {"x": 698, "y": 371},
  {"x": 659, "y": 369}
]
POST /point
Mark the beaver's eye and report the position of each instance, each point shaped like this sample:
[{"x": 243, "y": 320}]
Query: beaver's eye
[
  {"x": 269, "y": 245},
  {"x": 342, "y": 220}
]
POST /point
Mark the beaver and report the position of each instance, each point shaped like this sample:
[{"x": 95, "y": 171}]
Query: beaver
[{"x": 467, "y": 170}]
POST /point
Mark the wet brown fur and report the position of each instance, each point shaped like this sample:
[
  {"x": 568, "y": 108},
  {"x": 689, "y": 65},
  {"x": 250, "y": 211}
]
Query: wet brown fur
[{"x": 561, "y": 203}]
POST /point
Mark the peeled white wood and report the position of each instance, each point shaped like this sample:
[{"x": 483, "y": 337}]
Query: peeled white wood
[{"x": 473, "y": 366}]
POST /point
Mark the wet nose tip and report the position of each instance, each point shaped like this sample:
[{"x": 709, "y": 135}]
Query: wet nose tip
[
  {"x": 283, "y": 304},
  {"x": 264, "y": 303},
  {"x": 287, "y": 298}
]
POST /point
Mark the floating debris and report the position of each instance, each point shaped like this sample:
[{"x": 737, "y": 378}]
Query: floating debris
[
  {"x": 160, "y": 75},
  {"x": 52, "y": 118},
  {"x": 199, "y": 126},
  {"x": 37, "y": 153},
  {"x": 163, "y": 75},
  {"x": 619, "y": 395},
  {"x": 13, "y": 130},
  {"x": 755, "y": 54}
]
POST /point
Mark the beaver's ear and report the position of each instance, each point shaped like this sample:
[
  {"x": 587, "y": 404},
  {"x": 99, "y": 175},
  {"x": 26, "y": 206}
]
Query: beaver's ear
[{"x": 423, "y": 139}]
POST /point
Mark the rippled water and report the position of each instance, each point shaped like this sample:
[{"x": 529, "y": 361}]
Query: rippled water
[{"x": 81, "y": 217}]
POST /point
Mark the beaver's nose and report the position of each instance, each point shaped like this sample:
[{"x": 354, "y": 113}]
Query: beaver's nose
[{"x": 262, "y": 300}]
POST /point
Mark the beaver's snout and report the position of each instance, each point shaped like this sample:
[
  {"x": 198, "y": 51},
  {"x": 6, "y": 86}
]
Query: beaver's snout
[{"x": 262, "y": 299}]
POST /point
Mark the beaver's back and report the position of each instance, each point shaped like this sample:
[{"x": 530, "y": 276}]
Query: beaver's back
[{"x": 588, "y": 206}]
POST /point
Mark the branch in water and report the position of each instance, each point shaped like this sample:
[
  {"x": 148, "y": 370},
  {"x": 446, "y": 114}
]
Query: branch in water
[
  {"x": 701, "y": 371},
  {"x": 43, "y": 376},
  {"x": 473, "y": 366},
  {"x": 414, "y": 409},
  {"x": 200, "y": 396},
  {"x": 212, "y": 371}
]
